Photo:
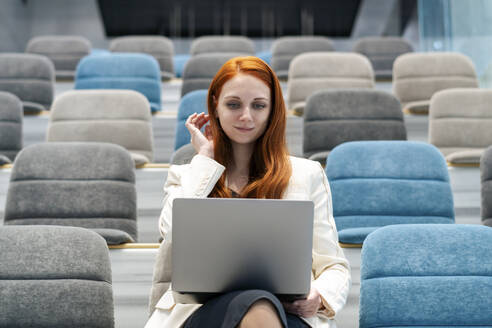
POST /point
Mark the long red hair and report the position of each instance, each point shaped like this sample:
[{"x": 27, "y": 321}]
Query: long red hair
[{"x": 269, "y": 169}]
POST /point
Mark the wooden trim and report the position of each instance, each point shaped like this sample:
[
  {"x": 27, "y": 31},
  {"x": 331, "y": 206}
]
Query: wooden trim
[
  {"x": 463, "y": 164},
  {"x": 343, "y": 245},
  {"x": 409, "y": 112},
  {"x": 6, "y": 166},
  {"x": 153, "y": 166},
  {"x": 135, "y": 246},
  {"x": 41, "y": 113}
]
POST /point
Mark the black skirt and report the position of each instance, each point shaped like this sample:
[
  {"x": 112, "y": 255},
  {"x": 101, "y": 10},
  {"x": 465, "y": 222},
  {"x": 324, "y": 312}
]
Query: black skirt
[{"x": 227, "y": 310}]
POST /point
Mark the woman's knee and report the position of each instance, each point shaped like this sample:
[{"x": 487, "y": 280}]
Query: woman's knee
[{"x": 261, "y": 313}]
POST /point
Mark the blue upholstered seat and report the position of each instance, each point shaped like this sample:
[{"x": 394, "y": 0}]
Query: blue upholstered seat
[
  {"x": 139, "y": 72},
  {"x": 379, "y": 183},
  {"x": 427, "y": 275},
  {"x": 192, "y": 102},
  {"x": 179, "y": 64}
]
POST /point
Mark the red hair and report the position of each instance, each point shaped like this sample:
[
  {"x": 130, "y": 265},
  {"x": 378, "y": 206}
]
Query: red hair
[{"x": 269, "y": 169}]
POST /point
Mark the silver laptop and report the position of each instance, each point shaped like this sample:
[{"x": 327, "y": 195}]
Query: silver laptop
[{"x": 222, "y": 245}]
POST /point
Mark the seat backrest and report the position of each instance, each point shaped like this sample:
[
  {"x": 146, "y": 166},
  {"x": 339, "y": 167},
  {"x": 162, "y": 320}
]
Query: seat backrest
[
  {"x": 139, "y": 72},
  {"x": 284, "y": 49},
  {"x": 315, "y": 71},
  {"x": 222, "y": 44},
  {"x": 417, "y": 76},
  {"x": 30, "y": 77},
  {"x": 382, "y": 52},
  {"x": 336, "y": 116},
  {"x": 461, "y": 118},
  {"x": 426, "y": 276},
  {"x": 158, "y": 46},
  {"x": 192, "y": 102},
  {"x": 65, "y": 51},
  {"x": 10, "y": 125},
  {"x": 89, "y": 185},
  {"x": 375, "y": 183},
  {"x": 486, "y": 188},
  {"x": 54, "y": 277},
  {"x": 121, "y": 117},
  {"x": 201, "y": 69}
]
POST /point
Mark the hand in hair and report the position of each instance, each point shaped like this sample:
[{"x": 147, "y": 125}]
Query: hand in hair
[
  {"x": 305, "y": 308},
  {"x": 203, "y": 143}
]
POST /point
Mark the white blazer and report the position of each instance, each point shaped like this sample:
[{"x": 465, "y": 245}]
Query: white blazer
[{"x": 331, "y": 271}]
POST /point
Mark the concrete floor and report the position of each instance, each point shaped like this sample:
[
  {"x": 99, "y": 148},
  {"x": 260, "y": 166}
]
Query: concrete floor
[{"x": 132, "y": 269}]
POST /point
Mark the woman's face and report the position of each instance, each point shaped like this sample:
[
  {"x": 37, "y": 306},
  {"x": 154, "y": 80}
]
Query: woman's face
[{"x": 243, "y": 108}]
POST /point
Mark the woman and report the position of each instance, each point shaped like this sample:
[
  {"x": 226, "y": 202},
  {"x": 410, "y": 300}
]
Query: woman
[{"x": 243, "y": 153}]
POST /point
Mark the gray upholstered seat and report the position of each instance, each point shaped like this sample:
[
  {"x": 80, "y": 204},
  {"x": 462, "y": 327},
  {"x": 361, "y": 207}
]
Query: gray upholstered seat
[
  {"x": 183, "y": 155},
  {"x": 284, "y": 49},
  {"x": 333, "y": 117},
  {"x": 117, "y": 116},
  {"x": 417, "y": 76},
  {"x": 158, "y": 46},
  {"x": 382, "y": 52},
  {"x": 162, "y": 275},
  {"x": 201, "y": 69},
  {"x": 89, "y": 185},
  {"x": 10, "y": 126},
  {"x": 315, "y": 71},
  {"x": 460, "y": 123},
  {"x": 54, "y": 277},
  {"x": 486, "y": 191},
  {"x": 65, "y": 51},
  {"x": 222, "y": 44},
  {"x": 30, "y": 77}
]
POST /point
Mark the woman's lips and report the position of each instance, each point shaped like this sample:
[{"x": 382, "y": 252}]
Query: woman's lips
[{"x": 244, "y": 129}]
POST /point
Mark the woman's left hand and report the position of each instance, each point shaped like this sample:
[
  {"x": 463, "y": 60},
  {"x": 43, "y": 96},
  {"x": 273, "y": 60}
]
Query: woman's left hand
[{"x": 305, "y": 308}]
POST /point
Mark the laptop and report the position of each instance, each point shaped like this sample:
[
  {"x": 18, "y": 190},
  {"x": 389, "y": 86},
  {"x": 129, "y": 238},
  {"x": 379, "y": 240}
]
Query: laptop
[{"x": 221, "y": 245}]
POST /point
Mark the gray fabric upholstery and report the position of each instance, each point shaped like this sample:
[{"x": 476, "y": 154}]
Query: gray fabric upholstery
[
  {"x": 183, "y": 155},
  {"x": 486, "y": 189},
  {"x": 460, "y": 123},
  {"x": 10, "y": 125},
  {"x": 315, "y": 71},
  {"x": 90, "y": 185},
  {"x": 116, "y": 116},
  {"x": 65, "y": 51},
  {"x": 158, "y": 46},
  {"x": 382, "y": 52},
  {"x": 30, "y": 77},
  {"x": 284, "y": 49},
  {"x": 54, "y": 277},
  {"x": 201, "y": 69},
  {"x": 222, "y": 44},
  {"x": 333, "y": 117},
  {"x": 162, "y": 275},
  {"x": 417, "y": 76}
]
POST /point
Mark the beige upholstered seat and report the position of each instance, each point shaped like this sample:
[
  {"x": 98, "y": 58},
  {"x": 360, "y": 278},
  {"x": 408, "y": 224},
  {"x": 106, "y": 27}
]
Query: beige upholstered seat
[
  {"x": 417, "y": 76},
  {"x": 314, "y": 71},
  {"x": 222, "y": 44},
  {"x": 116, "y": 116},
  {"x": 460, "y": 123}
]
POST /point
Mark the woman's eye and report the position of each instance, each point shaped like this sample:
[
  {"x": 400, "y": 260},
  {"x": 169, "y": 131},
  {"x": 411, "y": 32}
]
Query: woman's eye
[
  {"x": 233, "y": 105},
  {"x": 259, "y": 106}
]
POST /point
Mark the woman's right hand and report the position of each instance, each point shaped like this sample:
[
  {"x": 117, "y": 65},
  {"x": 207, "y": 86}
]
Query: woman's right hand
[{"x": 203, "y": 143}]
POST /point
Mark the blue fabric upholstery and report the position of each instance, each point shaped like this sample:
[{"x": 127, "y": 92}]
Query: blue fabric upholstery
[
  {"x": 192, "y": 102},
  {"x": 179, "y": 64},
  {"x": 379, "y": 183},
  {"x": 427, "y": 275},
  {"x": 266, "y": 56},
  {"x": 139, "y": 72}
]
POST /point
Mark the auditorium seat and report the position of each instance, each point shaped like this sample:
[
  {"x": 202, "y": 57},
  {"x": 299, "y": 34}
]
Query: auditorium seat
[
  {"x": 315, "y": 71},
  {"x": 382, "y": 52},
  {"x": 30, "y": 77},
  {"x": 427, "y": 276},
  {"x": 460, "y": 124},
  {"x": 158, "y": 46},
  {"x": 417, "y": 76},
  {"x": 183, "y": 155},
  {"x": 180, "y": 63},
  {"x": 335, "y": 116},
  {"x": 54, "y": 277},
  {"x": 201, "y": 69},
  {"x": 284, "y": 49},
  {"x": 10, "y": 127},
  {"x": 486, "y": 186},
  {"x": 121, "y": 117},
  {"x": 379, "y": 183},
  {"x": 222, "y": 44},
  {"x": 139, "y": 72},
  {"x": 162, "y": 275},
  {"x": 65, "y": 51},
  {"x": 192, "y": 102},
  {"x": 88, "y": 185}
]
